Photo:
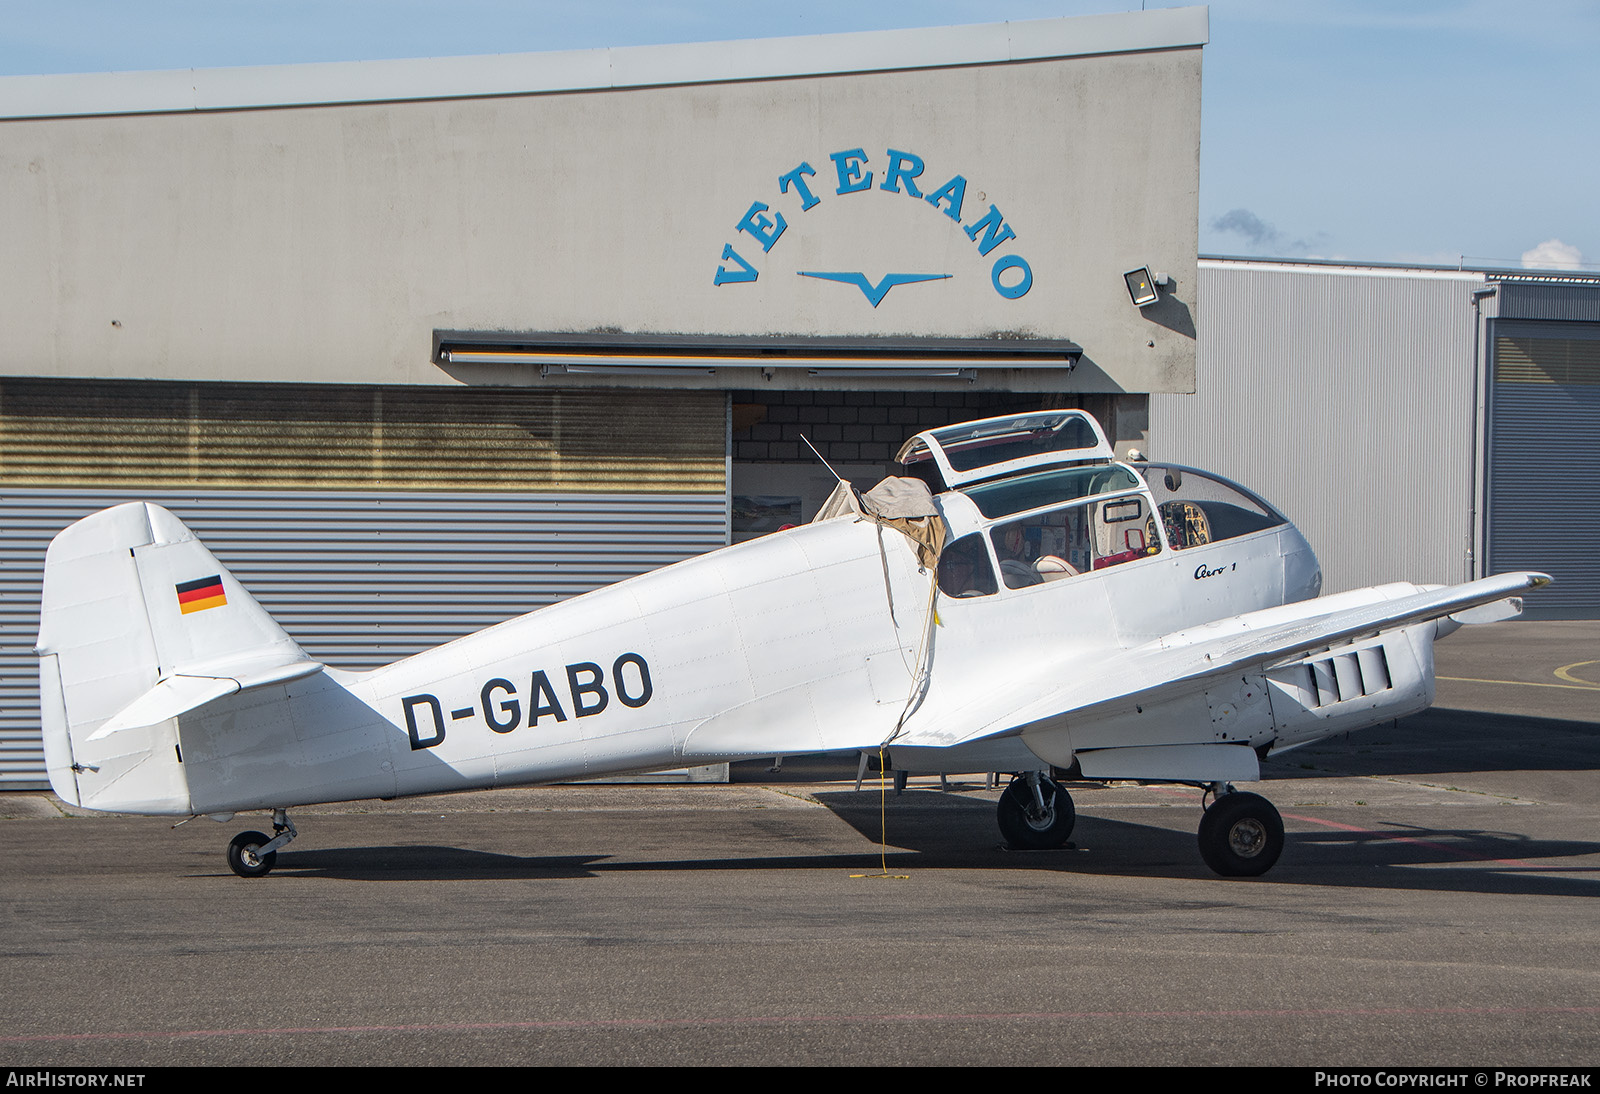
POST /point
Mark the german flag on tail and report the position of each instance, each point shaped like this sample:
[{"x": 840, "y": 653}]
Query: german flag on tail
[{"x": 197, "y": 596}]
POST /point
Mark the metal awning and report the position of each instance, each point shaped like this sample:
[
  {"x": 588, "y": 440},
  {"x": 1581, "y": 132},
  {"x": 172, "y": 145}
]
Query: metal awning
[{"x": 601, "y": 354}]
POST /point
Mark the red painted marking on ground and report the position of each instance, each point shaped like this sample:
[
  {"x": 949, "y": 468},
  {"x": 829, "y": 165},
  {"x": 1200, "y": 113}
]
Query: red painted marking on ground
[
  {"x": 1445, "y": 847},
  {"x": 802, "y": 1019},
  {"x": 1370, "y": 834}
]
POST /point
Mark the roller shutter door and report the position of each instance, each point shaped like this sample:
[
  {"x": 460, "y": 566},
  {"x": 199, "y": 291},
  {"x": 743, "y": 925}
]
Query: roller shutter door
[
  {"x": 1543, "y": 510},
  {"x": 372, "y": 523}
]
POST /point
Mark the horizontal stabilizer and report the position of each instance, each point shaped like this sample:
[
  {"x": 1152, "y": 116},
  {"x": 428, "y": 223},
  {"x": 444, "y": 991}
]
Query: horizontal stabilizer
[{"x": 184, "y": 691}]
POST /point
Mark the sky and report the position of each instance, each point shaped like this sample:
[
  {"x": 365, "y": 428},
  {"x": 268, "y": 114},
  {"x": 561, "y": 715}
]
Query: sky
[{"x": 1408, "y": 131}]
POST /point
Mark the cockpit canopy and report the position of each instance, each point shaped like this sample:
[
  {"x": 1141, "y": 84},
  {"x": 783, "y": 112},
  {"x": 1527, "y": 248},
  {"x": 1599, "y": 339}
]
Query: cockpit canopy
[
  {"x": 1035, "y": 498},
  {"x": 972, "y": 452},
  {"x": 1030, "y": 499},
  {"x": 1047, "y": 525}
]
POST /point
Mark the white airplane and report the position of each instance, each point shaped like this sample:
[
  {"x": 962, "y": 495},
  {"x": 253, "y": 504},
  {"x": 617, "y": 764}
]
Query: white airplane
[{"x": 1021, "y": 602}]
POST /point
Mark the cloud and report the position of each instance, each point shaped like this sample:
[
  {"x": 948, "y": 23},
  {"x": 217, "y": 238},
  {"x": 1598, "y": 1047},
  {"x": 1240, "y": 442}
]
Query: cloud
[
  {"x": 1242, "y": 222},
  {"x": 1263, "y": 238},
  {"x": 1553, "y": 254}
]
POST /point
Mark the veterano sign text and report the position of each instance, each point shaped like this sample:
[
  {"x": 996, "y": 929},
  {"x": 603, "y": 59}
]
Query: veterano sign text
[{"x": 854, "y": 172}]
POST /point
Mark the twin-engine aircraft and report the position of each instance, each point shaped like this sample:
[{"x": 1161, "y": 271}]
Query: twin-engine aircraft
[{"x": 1019, "y": 601}]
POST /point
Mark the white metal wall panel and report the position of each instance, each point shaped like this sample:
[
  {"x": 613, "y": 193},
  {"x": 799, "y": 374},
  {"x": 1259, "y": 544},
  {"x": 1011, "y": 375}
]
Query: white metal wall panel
[
  {"x": 359, "y": 579},
  {"x": 1345, "y": 397}
]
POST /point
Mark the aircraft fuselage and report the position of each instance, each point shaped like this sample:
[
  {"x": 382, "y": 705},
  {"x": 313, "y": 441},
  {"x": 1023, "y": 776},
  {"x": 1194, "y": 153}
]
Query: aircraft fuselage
[{"x": 791, "y": 637}]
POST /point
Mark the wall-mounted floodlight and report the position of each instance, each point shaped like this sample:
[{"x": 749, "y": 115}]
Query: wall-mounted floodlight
[{"x": 1141, "y": 287}]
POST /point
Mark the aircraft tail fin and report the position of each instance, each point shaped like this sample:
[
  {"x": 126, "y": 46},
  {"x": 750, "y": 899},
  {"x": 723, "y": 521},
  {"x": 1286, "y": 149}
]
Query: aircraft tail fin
[{"x": 140, "y": 623}]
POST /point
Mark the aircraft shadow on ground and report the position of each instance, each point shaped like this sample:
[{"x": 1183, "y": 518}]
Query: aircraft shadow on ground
[
  {"x": 424, "y": 863},
  {"x": 1479, "y": 860},
  {"x": 1442, "y": 740},
  {"x": 928, "y": 830}
]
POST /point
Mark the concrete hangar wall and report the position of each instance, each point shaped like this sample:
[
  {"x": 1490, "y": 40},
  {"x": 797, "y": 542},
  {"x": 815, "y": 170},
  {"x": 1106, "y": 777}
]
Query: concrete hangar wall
[{"x": 420, "y": 345}]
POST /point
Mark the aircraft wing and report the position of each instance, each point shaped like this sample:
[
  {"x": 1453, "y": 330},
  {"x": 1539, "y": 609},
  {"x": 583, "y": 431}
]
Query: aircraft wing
[{"x": 1185, "y": 661}]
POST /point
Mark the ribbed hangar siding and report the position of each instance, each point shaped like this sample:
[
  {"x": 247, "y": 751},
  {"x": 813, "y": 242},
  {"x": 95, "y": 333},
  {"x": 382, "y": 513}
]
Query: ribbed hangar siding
[
  {"x": 372, "y": 523},
  {"x": 1544, "y": 460},
  {"x": 1343, "y": 395}
]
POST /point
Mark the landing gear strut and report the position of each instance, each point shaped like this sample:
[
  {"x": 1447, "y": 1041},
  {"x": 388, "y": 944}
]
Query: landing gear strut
[
  {"x": 1036, "y": 813},
  {"x": 252, "y": 854},
  {"x": 1241, "y": 835}
]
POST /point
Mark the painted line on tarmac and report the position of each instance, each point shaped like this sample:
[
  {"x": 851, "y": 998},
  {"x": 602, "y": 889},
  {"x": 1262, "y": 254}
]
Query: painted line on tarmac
[
  {"x": 1526, "y": 683},
  {"x": 801, "y": 1019},
  {"x": 1396, "y": 836},
  {"x": 1565, "y": 673}
]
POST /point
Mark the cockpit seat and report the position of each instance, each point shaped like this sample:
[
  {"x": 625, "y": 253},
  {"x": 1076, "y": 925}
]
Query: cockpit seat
[
  {"x": 1018, "y": 574},
  {"x": 1054, "y": 568}
]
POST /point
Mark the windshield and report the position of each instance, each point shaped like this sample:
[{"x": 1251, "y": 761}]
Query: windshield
[
  {"x": 1018, "y": 495},
  {"x": 1197, "y": 507}
]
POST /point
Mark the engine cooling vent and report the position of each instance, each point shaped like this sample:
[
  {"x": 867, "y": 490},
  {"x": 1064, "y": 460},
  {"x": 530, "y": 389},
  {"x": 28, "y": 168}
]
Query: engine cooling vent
[{"x": 1346, "y": 676}]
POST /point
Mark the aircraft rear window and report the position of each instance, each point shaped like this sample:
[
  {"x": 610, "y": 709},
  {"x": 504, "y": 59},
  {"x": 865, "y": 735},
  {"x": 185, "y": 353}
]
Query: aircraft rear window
[
  {"x": 965, "y": 569},
  {"x": 1018, "y": 495}
]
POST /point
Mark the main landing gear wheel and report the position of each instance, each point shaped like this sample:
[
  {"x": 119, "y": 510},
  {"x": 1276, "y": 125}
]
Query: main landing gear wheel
[
  {"x": 1036, "y": 813},
  {"x": 1241, "y": 835},
  {"x": 244, "y": 858}
]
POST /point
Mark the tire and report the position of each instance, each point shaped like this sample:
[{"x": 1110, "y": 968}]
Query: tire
[
  {"x": 1028, "y": 833},
  {"x": 242, "y": 858},
  {"x": 1241, "y": 835}
]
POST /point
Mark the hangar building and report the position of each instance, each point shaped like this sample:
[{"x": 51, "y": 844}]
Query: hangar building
[
  {"x": 419, "y": 345},
  {"x": 1418, "y": 424}
]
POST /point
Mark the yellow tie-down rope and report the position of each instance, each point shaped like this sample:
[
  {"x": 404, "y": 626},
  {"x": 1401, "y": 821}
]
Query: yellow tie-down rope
[
  {"x": 919, "y": 682},
  {"x": 883, "y": 826}
]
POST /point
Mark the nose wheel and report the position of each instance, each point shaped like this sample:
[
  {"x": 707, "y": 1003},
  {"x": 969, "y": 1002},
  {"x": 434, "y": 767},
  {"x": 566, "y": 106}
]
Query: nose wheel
[
  {"x": 1036, "y": 813},
  {"x": 253, "y": 854},
  {"x": 1241, "y": 835}
]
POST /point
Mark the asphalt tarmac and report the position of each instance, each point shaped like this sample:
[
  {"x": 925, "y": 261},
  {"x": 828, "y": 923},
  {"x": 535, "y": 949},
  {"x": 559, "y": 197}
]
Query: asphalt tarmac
[{"x": 1433, "y": 908}]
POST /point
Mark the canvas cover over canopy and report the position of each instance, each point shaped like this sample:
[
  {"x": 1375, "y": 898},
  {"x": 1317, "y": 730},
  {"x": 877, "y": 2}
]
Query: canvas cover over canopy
[{"x": 904, "y": 504}]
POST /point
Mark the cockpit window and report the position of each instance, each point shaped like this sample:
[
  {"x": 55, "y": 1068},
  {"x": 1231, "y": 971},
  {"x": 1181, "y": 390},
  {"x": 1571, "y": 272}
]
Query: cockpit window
[
  {"x": 1198, "y": 508},
  {"x": 965, "y": 570},
  {"x": 1074, "y": 540},
  {"x": 986, "y": 443},
  {"x": 1035, "y": 491}
]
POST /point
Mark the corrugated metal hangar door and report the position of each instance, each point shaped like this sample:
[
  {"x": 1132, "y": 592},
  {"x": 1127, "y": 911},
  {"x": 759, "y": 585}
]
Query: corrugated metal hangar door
[
  {"x": 1543, "y": 508},
  {"x": 372, "y": 523}
]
